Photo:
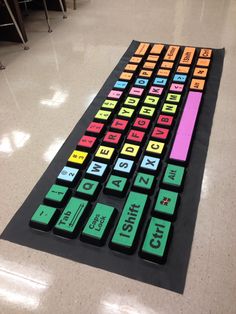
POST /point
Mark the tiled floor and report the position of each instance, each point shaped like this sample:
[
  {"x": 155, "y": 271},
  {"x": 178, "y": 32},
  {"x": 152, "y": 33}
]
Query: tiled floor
[{"x": 44, "y": 91}]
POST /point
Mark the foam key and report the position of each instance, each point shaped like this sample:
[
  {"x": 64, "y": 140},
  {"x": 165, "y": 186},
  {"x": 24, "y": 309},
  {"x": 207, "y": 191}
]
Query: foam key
[{"x": 182, "y": 141}]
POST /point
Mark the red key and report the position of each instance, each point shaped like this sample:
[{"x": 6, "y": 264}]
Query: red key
[
  {"x": 141, "y": 123},
  {"x": 95, "y": 127},
  {"x": 112, "y": 137},
  {"x": 165, "y": 120},
  {"x": 87, "y": 141},
  {"x": 135, "y": 136},
  {"x": 160, "y": 133},
  {"x": 119, "y": 124}
]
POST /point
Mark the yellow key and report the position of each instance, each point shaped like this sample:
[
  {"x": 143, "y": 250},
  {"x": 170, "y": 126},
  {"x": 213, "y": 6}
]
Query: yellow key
[
  {"x": 78, "y": 157},
  {"x": 110, "y": 104},
  {"x": 147, "y": 111},
  {"x": 155, "y": 147},
  {"x": 130, "y": 150},
  {"x": 104, "y": 152},
  {"x": 126, "y": 112},
  {"x": 103, "y": 115}
]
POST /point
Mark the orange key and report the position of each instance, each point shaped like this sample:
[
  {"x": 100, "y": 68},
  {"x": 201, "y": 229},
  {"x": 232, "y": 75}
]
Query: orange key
[
  {"x": 163, "y": 72},
  {"x": 200, "y": 72},
  {"x": 149, "y": 65},
  {"x": 182, "y": 69},
  {"x": 171, "y": 53},
  {"x": 157, "y": 49},
  {"x": 205, "y": 53},
  {"x": 131, "y": 67},
  {"x": 203, "y": 62},
  {"x": 197, "y": 84},
  {"x": 142, "y": 49},
  {"x": 187, "y": 56},
  {"x": 126, "y": 76},
  {"x": 135, "y": 60},
  {"x": 145, "y": 73},
  {"x": 167, "y": 65},
  {"x": 153, "y": 58}
]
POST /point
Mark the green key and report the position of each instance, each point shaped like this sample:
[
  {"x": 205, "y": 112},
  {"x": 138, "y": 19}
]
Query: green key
[
  {"x": 73, "y": 214},
  {"x": 57, "y": 195},
  {"x": 116, "y": 185},
  {"x": 44, "y": 217},
  {"x": 88, "y": 188},
  {"x": 126, "y": 231},
  {"x": 155, "y": 242},
  {"x": 173, "y": 177},
  {"x": 166, "y": 203},
  {"x": 96, "y": 228},
  {"x": 143, "y": 181}
]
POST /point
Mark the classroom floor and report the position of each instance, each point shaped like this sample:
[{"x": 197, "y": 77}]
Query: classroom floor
[{"x": 43, "y": 93}]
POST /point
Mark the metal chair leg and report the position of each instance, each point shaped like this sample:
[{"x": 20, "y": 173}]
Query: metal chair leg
[
  {"x": 74, "y": 4},
  {"x": 16, "y": 25},
  {"x": 62, "y": 8},
  {"x": 47, "y": 17},
  {"x": 2, "y": 66}
]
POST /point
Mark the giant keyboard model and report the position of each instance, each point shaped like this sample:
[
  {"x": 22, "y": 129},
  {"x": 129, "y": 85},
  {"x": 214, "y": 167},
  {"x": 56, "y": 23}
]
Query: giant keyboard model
[{"x": 122, "y": 193}]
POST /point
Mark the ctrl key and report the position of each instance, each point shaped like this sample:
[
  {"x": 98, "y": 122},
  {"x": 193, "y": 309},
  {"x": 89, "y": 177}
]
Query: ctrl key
[
  {"x": 155, "y": 244},
  {"x": 44, "y": 217}
]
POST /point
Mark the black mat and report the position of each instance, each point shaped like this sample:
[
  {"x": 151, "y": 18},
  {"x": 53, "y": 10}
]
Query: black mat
[{"x": 171, "y": 275}]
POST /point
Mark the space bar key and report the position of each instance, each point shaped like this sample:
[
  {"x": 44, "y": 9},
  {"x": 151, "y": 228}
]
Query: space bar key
[{"x": 183, "y": 137}]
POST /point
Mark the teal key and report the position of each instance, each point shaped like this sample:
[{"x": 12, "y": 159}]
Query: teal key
[
  {"x": 166, "y": 203},
  {"x": 116, "y": 185},
  {"x": 98, "y": 225},
  {"x": 144, "y": 182},
  {"x": 57, "y": 195},
  {"x": 156, "y": 240},
  {"x": 88, "y": 188},
  {"x": 173, "y": 177},
  {"x": 126, "y": 231},
  {"x": 72, "y": 216},
  {"x": 44, "y": 217}
]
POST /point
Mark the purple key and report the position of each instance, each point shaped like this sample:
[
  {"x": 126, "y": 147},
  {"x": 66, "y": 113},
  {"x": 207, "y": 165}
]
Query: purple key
[{"x": 185, "y": 129}]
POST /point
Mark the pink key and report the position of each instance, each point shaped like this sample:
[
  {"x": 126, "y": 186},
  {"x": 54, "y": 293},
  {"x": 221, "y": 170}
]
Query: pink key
[
  {"x": 136, "y": 91},
  {"x": 156, "y": 90},
  {"x": 115, "y": 94},
  {"x": 176, "y": 87},
  {"x": 186, "y": 126}
]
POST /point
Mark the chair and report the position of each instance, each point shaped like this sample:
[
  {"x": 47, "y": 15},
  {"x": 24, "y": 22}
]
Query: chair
[
  {"x": 45, "y": 11},
  {"x": 14, "y": 22}
]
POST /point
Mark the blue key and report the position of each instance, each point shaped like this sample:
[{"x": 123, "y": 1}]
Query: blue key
[
  {"x": 96, "y": 168},
  {"x": 123, "y": 165},
  {"x": 68, "y": 174},
  {"x": 141, "y": 82},
  {"x": 120, "y": 84},
  {"x": 180, "y": 78},
  {"x": 160, "y": 81},
  {"x": 150, "y": 163}
]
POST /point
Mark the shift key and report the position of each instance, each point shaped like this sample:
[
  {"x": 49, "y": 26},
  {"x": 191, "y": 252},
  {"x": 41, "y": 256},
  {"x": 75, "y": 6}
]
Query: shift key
[{"x": 127, "y": 229}]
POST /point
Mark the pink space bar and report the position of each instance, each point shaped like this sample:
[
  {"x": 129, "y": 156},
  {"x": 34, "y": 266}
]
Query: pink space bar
[{"x": 185, "y": 129}]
